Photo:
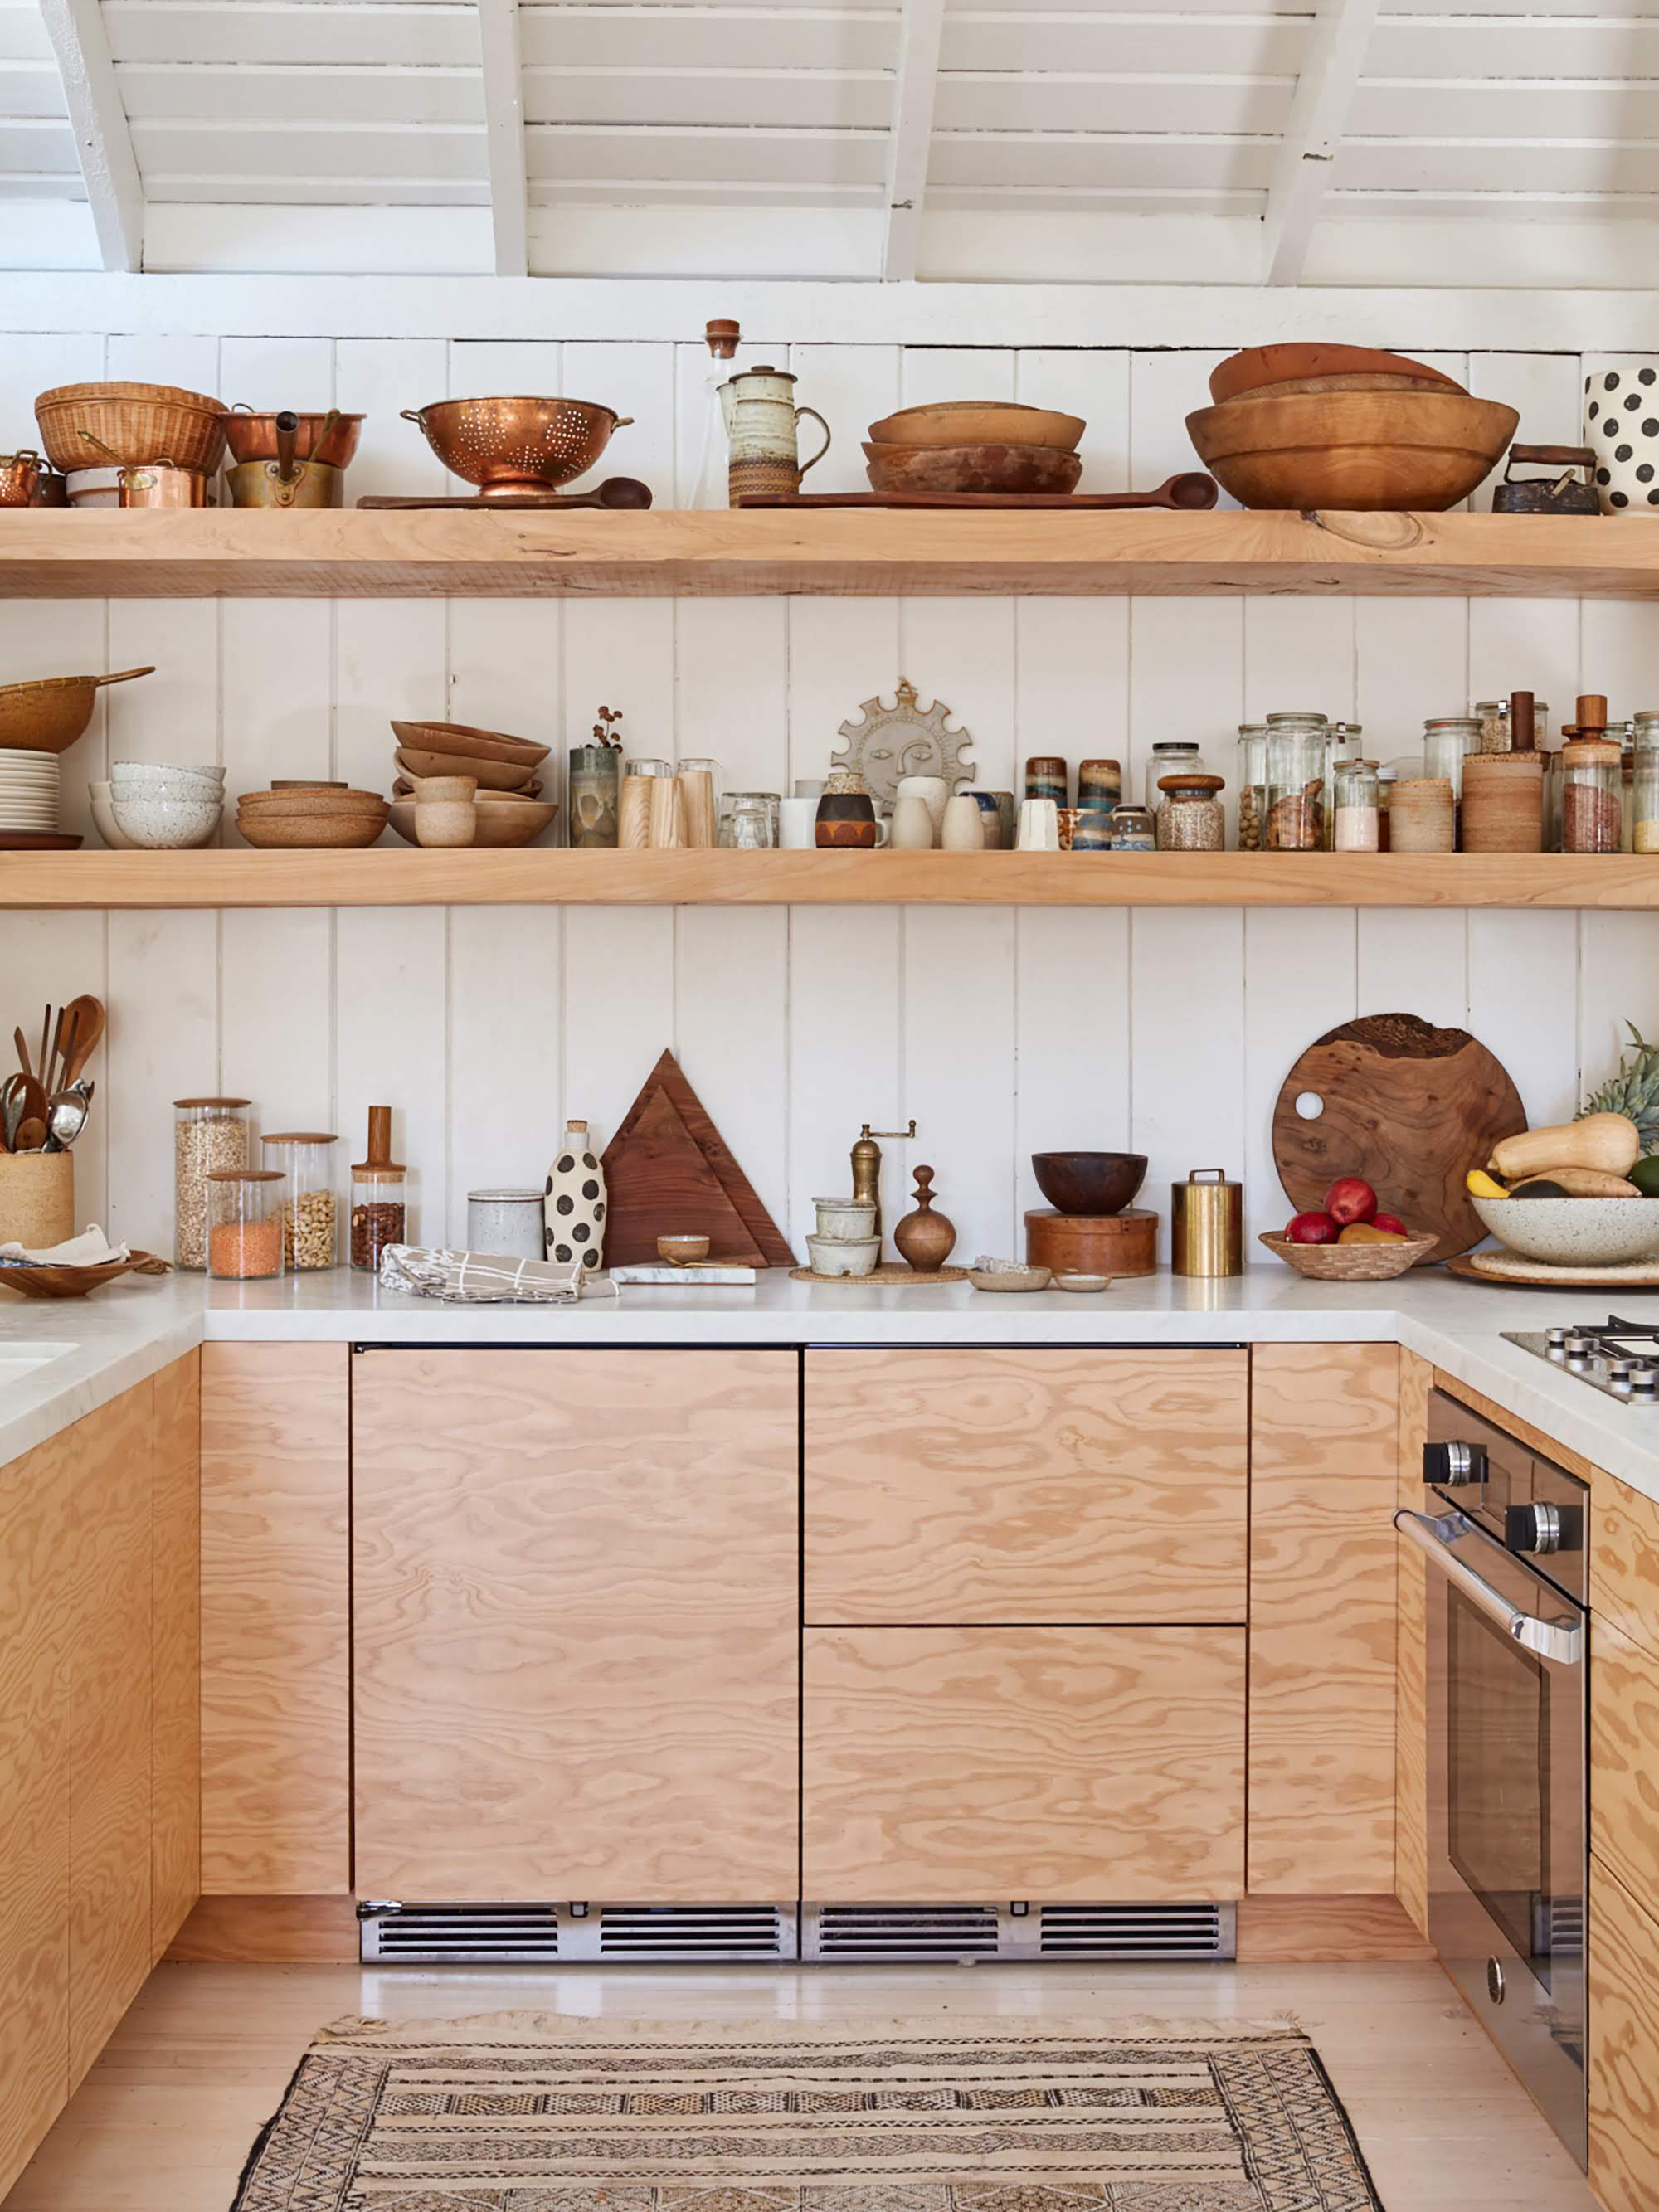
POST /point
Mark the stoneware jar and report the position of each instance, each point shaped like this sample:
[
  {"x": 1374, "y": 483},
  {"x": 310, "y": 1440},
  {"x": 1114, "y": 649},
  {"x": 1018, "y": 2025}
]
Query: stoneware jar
[
  {"x": 574, "y": 1201},
  {"x": 933, "y": 790},
  {"x": 1621, "y": 426},
  {"x": 847, "y": 814},
  {"x": 912, "y": 828}
]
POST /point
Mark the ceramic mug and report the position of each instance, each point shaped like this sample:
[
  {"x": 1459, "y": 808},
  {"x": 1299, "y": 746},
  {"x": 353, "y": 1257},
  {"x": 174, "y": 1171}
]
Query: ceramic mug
[
  {"x": 809, "y": 786},
  {"x": 795, "y": 817},
  {"x": 1039, "y": 826},
  {"x": 933, "y": 791},
  {"x": 964, "y": 829},
  {"x": 1093, "y": 832},
  {"x": 912, "y": 826}
]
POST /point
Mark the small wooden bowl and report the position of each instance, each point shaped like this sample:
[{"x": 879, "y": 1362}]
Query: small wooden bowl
[
  {"x": 683, "y": 1251},
  {"x": 1351, "y": 1263},
  {"x": 314, "y": 833},
  {"x": 974, "y": 422},
  {"x": 75, "y": 1282},
  {"x": 1008, "y": 469},
  {"x": 489, "y": 774},
  {"x": 472, "y": 744}
]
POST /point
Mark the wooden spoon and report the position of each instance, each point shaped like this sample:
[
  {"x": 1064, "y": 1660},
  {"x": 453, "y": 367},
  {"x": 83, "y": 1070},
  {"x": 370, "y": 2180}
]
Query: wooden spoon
[
  {"x": 87, "y": 1018},
  {"x": 23, "y": 1061}
]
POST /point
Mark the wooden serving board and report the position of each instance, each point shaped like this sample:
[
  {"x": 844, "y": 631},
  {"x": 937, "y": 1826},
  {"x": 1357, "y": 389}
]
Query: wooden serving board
[
  {"x": 1409, "y": 1107},
  {"x": 1199, "y": 492}
]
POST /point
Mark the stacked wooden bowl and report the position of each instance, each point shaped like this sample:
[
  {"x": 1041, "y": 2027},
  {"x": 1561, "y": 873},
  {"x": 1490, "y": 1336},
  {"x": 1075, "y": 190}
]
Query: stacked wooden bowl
[
  {"x": 311, "y": 816},
  {"x": 510, "y": 809},
  {"x": 975, "y": 445},
  {"x": 1344, "y": 426}
]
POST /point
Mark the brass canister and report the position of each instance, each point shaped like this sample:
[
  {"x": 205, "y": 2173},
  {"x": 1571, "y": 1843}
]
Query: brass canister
[{"x": 1206, "y": 1225}]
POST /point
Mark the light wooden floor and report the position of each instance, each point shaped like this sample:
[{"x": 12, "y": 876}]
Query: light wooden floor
[{"x": 165, "y": 2119}]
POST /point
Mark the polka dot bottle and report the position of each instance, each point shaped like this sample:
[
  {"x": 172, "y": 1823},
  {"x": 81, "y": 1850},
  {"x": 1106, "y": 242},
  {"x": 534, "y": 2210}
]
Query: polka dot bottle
[
  {"x": 573, "y": 1208},
  {"x": 1621, "y": 423}
]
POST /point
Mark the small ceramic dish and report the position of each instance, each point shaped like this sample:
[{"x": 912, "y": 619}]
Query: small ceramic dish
[
  {"x": 1010, "y": 1277},
  {"x": 166, "y": 824},
  {"x": 844, "y": 1255},
  {"x": 1065, "y": 1282},
  {"x": 681, "y": 1251}
]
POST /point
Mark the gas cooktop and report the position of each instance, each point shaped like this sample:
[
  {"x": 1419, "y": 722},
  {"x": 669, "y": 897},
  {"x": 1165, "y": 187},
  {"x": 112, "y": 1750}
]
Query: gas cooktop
[{"x": 1619, "y": 1358}]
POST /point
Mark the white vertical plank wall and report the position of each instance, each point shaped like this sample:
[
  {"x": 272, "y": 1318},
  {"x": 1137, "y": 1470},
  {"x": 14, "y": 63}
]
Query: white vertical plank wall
[{"x": 1003, "y": 1033}]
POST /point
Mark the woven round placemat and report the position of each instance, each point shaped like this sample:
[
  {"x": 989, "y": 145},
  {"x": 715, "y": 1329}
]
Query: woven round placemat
[{"x": 891, "y": 1271}]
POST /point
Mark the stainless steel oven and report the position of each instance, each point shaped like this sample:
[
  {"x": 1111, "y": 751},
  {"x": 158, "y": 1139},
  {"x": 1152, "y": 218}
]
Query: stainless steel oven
[{"x": 1508, "y": 1658}]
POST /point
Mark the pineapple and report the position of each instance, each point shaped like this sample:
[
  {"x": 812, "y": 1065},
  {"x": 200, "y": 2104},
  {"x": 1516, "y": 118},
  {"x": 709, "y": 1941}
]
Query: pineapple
[{"x": 1634, "y": 1091}]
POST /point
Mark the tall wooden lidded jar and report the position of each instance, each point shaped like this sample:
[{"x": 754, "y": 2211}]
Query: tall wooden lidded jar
[{"x": 574, "y": 1209}]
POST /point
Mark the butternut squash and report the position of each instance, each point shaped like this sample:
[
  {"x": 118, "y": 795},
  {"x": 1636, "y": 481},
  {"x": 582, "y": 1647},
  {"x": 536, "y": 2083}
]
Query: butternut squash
[
  {"x": 1600, "y": 1140},
  {"x": 1577, "y": 1182}
]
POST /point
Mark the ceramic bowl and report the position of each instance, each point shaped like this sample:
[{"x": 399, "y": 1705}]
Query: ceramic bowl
[
  {"x": 851, "y": 1219},
  {"x": 1076, "y": 1282},
  {"x": 502, "y": 822},
  {"x": 681, "y": 1251},
  {"x": 1565, "y": 1232},
  {"x": 104, "y": 820},
  {"x": 844, "y": 1255},
  {"x": 166, "y": 824},
  {"x": 138, "y": 780},
  {"x": 1089, "y": 1182},
  {"x": 1007, "y": 1278}
]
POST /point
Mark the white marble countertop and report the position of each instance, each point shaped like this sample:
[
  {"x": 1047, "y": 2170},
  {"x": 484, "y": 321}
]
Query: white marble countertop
[{"x": 62, "y": 1359}]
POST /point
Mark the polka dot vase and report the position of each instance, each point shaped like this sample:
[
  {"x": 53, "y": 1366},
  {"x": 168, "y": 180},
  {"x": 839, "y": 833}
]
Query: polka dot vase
[
  {"x": 1621, "y": 423},
  {"x": 574, "y": 1204}
]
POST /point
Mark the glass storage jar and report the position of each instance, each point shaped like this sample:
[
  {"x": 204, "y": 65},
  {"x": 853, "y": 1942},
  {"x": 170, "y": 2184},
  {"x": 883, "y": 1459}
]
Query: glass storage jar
[
  {"x": 1446, "y": 739},
  {"x": 1296, "y": 782},
  {"x": 1357, "y": 821},
  {"x": 1590, "y": 808},
  {"x": 245, "y": 1224},
  {"x": 209, "y": 1135},
  {"x": 1252, "y": 778},
  {"x": 1645, "y": 810},
  {"x": 1171, "y": 757},
  {"x": 310, "y": 1213},
  {"x": 1189, "y": 816},
  {"x": 1341, "y": 743},
  {"x": 1495, "y": 735},
  {"x": 380, "y": 1214}
]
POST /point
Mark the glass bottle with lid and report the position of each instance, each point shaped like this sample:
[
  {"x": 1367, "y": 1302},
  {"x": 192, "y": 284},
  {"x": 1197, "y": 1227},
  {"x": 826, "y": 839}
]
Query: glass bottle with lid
[
  {"x": 1170, "y": 756},
  {"x": 209, "y": 1136},
  {"x": 1446, "y": 739},
  {"x": 379, "y": 1211},
  {"x": 1296, "y": 782},
  {"x": 1357, "y": 825},
  {"x": 1252, "y": 775},
  {"x": 245, "y": 1223},
  {"x": 1493, "y": 716},
  {"x": 1341, "y": 743},
  {"x": 310, "y": 1213},
  {"x": 1591, "y": 806}
]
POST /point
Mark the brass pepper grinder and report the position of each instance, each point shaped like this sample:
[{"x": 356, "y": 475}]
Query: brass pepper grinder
[
  {"x": 866, "y": 1166},
  {"x": 925, "y": 1239}
]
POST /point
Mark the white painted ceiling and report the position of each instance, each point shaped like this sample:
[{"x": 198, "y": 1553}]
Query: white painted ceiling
[{"x": 746, "y": 138}]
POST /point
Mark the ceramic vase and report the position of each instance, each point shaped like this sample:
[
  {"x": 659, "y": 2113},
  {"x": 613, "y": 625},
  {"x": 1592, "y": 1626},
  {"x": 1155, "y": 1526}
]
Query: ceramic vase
[
  {"x": 574, "y": 1203},
  {"x": 912, "y": 830},
  {"x": 964, "y": 830},
  {"x": 1621, "y": 424},
  {"x": 990, "y": 817},
  {"x": 933, "y": 790}
]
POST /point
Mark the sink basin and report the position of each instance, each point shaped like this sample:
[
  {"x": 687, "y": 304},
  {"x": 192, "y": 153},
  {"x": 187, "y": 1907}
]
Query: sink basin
[{"x": 17, "y": 1360}]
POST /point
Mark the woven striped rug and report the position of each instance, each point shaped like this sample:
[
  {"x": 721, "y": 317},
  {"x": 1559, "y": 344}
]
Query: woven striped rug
[{"x": 538, "y": 2113}]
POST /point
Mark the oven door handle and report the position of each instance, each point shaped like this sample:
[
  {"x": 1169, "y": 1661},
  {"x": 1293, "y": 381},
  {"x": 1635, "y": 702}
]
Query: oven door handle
[{"x": 1560, "y": 1642}]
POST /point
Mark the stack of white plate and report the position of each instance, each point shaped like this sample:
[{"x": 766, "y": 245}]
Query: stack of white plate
[{"x": 29, "y": 790}]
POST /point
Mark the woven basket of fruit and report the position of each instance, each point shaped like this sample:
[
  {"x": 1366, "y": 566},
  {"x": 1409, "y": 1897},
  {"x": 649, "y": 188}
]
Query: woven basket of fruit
[{"x": 1378, "y": 1262}]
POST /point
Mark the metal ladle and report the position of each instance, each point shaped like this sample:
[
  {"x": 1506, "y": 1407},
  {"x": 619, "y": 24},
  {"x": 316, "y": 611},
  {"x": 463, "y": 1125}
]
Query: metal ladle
[{"x": 66, "y": 1115}]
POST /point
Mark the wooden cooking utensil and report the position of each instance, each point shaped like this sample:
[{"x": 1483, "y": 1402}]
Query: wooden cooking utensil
[
  {"x": 88, "y": 1029},
  {"x": 23, "y": 1061},
  {"x": 616, "y": 492},
  {"x": 1192, "y": 490},
  {"x": 1408, "y": 1108},
  {"x": 32, "y": 1125}
]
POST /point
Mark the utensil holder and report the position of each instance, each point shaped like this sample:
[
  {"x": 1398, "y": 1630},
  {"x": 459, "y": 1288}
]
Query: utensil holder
[{"x": 37, "y": 1199}]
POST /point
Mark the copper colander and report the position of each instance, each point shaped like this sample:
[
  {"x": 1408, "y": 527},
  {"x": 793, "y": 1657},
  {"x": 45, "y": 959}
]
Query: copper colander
[{"x": 511, "y": 447}]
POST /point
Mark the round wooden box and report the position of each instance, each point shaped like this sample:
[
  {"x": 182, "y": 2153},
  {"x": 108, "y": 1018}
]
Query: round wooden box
[{"x": 1093, "y": 1243}]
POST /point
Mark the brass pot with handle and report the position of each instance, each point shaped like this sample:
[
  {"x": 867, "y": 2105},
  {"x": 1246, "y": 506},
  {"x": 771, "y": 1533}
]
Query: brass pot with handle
[
  {"x": 1206, "y": 1225},
  {"x": 285, "y": 481}
]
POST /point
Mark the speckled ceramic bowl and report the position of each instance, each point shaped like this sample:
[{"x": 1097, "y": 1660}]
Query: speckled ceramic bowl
[
  {"x": 166, "y": 824},
  {"x": 1565, "y": 1232},
  {"x": 844, "y": 1255},
  {"x": 141, "y": 779}
]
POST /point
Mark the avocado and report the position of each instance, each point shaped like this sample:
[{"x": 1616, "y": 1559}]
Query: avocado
[
  {"x": 1540, "y": 1187},
  {"x": 1645, "y": 1176}
]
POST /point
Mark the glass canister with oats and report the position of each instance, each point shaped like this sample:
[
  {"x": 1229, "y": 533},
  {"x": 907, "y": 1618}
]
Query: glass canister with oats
[{"x": 209, "y": 1136}]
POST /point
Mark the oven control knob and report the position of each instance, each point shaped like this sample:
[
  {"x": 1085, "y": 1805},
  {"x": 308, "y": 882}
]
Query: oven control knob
[
  {"x": 1538, "y": 1528},
  {"x": 1645, "y": 1384},
  {"x": 1495, "y": 1986},
  {"x": 1453, "y": 1466},
  {"x": 1555, "y": 1339}
]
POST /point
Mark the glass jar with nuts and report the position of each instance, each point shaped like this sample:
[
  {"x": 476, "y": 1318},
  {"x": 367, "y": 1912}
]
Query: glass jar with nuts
[
  {"x": 310, "y": 1212},
  {"x": 209, "y": 1137}
]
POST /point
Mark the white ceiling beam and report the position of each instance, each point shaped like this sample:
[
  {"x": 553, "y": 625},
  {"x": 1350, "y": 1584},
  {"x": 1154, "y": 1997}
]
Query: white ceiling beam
[
  {"x": 910, "y": 137},
  {"x": 1337, "y": 44},
  {"x": 503, "y": 101},
  {"x": 103, "y": 140}
]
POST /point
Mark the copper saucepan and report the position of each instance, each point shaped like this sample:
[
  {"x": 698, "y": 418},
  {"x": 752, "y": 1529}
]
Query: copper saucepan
[{"x": 330, "y": 437}]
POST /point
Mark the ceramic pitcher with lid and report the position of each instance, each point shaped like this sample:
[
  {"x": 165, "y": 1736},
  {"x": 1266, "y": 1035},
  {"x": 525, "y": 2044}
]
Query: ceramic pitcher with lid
[{"x": 761, "y": 416}]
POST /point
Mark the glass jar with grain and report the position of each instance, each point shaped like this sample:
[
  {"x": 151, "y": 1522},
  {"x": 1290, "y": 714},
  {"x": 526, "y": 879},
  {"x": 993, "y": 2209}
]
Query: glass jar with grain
[
  {"x": 245, "y": 1224},
  {"x": 1591, "y": 812},
  {"x": 1296, "y": 782},
  {"x": 209, "y": 1136},
  {"x": 1189, "y": 816},
  {"x": 310, "y": 1213}
]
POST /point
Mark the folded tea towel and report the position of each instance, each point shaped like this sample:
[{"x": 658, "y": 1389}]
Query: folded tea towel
[
  {"x": 485, "y": 1278},
  {"x": 92, "y": 1249}
]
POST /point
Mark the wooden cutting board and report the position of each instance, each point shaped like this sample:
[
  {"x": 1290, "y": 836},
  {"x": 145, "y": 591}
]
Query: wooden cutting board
[{"x": 1410, "y": 1107}]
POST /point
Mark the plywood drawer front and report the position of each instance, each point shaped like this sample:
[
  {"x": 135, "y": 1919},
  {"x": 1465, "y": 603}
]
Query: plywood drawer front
[
  {"x": 1624, "y": 2046},
  {"x": 1025, "y": 1486},
  {"x": 577, "y": 1623},
  {"x": 1625, "y": 1560},
  {"x": 1624, "y": 1759},
  {"x": 945, "y": 1764}
]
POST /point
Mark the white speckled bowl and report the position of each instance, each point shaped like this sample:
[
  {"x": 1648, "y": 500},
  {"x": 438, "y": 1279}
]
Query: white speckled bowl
[
  {"x": 166, "y": 824},
  {"x": 104, "y": 820},
  {"x": 1565, "y": 1232},
  {"x": 141, "y": 779},
  {"x": 844, "y": 1255}
]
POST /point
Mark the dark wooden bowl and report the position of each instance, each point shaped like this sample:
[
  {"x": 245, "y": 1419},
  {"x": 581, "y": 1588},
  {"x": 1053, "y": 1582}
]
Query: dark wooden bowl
[
  {"x": 54, "y": 1282},
  {"x": 1089, "y": 1182}
]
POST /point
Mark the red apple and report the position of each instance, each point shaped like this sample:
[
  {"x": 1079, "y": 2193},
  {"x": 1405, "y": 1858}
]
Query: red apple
[
  {"x": 1350, "y": 1199},
  {"x": 1392, "y": 1223},
  {"x": 1311, "y": 1229}
]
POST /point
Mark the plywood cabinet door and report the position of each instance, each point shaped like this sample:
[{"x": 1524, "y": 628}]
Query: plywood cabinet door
[
  {"x": 276, "y": 1621},
  {"x": 1623, "y": 2050},
  {"x": 176, "y": 1648},
  {"x": 1031, "y": 1485},
  {"x": 954, "y": 1764},
  {"x": 576, "y": 1621}
]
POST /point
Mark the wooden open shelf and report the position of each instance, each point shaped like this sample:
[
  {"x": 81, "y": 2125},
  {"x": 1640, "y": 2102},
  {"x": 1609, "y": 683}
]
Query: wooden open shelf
[
  {"x": 400, "y": 875},
  {"x": 97, "y": 554}
]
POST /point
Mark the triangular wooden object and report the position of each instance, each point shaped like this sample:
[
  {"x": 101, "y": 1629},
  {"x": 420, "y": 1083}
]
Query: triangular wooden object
[{"x": 655, "y": 1189}]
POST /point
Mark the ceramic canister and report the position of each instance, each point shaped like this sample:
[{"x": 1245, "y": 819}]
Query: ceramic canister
[
  {"x": 1047, "y": 777},
  {"x": 506, "y": 1223},
  {"x": 990, "y": 822},
  {"x": 964, "y": 825},
  {"x": 1621, "y": 424},
  {"x": 1099, "y": 785},
  {"x": 758, "y": 406},
  {"x": 1039, "y": 826}
]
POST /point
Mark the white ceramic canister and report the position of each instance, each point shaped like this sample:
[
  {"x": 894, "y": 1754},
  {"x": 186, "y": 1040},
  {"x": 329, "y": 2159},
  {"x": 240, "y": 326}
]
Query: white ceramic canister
[
  {"x": 507, "y": 1224},
  {"x": 573, "y": 1203},
  {"x": 912, "y": 826},
  {"x": 797, "y": 824},
  {"x": 1621, "y": 423},
  {"x": 1039, "y": 826}
]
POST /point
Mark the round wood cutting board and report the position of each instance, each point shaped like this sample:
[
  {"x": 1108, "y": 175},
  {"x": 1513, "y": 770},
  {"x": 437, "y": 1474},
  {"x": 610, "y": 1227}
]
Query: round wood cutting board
[{"x": 1410, "y": 1107}]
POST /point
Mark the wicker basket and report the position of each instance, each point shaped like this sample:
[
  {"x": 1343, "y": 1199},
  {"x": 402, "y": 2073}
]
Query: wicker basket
[
  {"x": 138, "y": 422},
  {"x": 1351, "y": 1263}
]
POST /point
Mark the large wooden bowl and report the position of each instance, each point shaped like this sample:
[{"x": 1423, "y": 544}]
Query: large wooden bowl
[
  {"x": 38, "y": 1281},
  {"x": 460, "y": 738},
  {"x": 1010, "y": 469},
  {"x": 1368, "y": 451},
  {"x": 979, "y": 422},
  {"x": 1260, "y": 366}
]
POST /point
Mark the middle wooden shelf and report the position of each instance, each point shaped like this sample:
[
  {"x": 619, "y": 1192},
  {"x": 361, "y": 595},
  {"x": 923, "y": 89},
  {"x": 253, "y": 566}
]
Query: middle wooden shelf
[{"x": 400, "y": 875}]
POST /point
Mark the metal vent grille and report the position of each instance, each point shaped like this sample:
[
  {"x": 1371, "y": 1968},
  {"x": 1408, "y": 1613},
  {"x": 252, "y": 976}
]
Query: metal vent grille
[
  {"x": 570, "y": 1934},
  {"x": 1018, "y": 1932}
]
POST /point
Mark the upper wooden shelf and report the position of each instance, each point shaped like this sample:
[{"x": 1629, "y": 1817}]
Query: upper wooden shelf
[
  {"x": 400, "y": 876},
  {"x": 97, "y": 554}
]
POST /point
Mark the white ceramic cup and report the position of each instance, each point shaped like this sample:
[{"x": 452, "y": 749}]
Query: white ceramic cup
[
  {"x": 809, "y": 786},
  {"x": 912, "y": 826},
  {"x": 1039, "y": 825},
  {"x": 934, "y": 790},
  {"x": 964, "y": 826},
  {"x": 1621, "y": 422},
  {"x": 797, "y": 823}
]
